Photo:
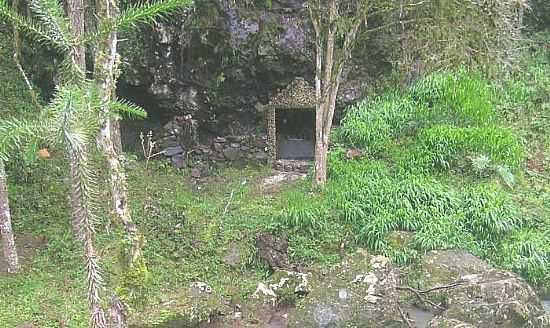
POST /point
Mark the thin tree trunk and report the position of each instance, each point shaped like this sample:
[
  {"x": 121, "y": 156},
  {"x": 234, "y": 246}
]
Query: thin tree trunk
[
  {"x": 105, "y": 74},
  {"x": 8, "y": 239},
  {"x": 75, "y": 11},
  {"x": 118, "y": 317}
]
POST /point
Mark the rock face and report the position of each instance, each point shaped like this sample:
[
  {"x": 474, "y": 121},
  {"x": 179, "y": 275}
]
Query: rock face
[
  {"x": 360, "y": 292},
  {"x": 484, "y": 297},
  {"x": 221, "y": 59}
]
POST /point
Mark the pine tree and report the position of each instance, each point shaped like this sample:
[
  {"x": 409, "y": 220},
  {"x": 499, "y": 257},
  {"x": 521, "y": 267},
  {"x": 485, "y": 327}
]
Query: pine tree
[{"x": 72, "y": 120}]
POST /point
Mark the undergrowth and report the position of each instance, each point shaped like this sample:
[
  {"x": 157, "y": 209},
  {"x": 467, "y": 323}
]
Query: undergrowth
[{"x": 435, "y": 159}]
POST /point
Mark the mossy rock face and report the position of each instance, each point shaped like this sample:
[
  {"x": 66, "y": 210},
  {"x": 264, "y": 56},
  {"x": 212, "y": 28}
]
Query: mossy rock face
[
  {"x": 446, "y": 266},
  {"x": 284, "y": 288},
  {"x": 188, "y": 308},
  {"x": 359, "y": 292},
  {"x": 482, "y": 296},
  {"x": 496, "y": 298}
]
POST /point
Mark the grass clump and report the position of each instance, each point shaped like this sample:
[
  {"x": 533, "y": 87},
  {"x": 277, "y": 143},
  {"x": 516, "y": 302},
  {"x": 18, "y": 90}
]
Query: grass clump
[
  {"x": 369, "y": 200},
  {"x": 438, "y": 123},
  {"x": 464, "y": 98},
  {"x": 446, "y": 146}
]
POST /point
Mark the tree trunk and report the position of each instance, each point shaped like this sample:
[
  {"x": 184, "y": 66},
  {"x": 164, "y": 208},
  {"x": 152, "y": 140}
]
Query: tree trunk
[
  {"x": 8, "y": 240},
  {"x": 118, "y": 317},
  {"x": 105, "y": 74},
  {"x": 75, "y": 11}
]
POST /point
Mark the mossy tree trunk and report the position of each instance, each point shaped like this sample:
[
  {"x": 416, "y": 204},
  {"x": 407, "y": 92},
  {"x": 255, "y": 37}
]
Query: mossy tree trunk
[
  {"x": 105, "y": 74},
  {"x": 8, "y": 239}
]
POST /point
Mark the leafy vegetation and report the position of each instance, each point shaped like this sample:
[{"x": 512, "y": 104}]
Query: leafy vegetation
[{"x": 455, "y": 161}]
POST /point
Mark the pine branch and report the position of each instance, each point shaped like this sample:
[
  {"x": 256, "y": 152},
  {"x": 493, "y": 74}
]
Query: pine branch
[
  {"x": 29, "y": 27},
  {"x": 15, "y": 133},
  {"x": 50, "y": 13},
  {"x": 141, "y": 13},
  {"x": 126, "y": 107}
]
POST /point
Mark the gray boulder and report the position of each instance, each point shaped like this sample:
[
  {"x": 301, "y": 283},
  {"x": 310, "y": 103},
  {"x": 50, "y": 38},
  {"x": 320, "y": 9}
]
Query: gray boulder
[
  {"x": 360, "y": 292},
  {"x": 482, "y": 296}
]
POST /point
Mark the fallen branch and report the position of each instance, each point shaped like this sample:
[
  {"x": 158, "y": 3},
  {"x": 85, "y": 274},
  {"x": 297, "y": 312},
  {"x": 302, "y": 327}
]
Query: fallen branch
[
  {"x": 418, "y": 293},
  {"x": 404, "y": 317}
]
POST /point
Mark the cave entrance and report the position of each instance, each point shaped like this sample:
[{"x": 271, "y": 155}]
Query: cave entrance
[
  {"x": 291, "y": 123},
  {"x": 295, "y": 134}
]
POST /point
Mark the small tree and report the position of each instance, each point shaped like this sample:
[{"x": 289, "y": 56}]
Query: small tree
[
  {"x": 72, "y": 118},
  {"x": 335, "y": 34}
]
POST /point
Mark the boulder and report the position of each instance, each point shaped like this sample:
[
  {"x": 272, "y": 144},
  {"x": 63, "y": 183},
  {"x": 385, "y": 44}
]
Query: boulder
[
  {"x": 232, "y": 154},
  {"x": 178, "y": 161},
  {"x": 496, "y": 298},
  {"x": 446, "y": 266},
  {"x": 481, "y": 296},
  {"x": 284, "y": 288},
  {"x": 359, "y": 292},
  {"x": 172, "y": 151},
  {"x": 273, "y": 250},
  {"x": 441, "y": 322}
]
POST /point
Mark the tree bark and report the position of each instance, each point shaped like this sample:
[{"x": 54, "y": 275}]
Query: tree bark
[
  {"x": 8, "y": 239},
  {"x": 75, "y": 11},
  {"x": 328, "y": 74},
  {"x": 105, "y": 74}
]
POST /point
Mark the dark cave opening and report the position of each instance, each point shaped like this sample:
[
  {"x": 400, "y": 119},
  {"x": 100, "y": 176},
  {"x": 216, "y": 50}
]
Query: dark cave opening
[
  {"x": 131, "y": 128},
  {"x": 295, "y": 134}
]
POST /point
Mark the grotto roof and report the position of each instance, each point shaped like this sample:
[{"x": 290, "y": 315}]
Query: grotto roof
[{"x": 299, "y": 94}]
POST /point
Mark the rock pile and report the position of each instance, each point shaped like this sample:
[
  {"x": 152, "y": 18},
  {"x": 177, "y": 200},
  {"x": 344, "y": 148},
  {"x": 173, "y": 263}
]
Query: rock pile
[{"x": 183, "y": 149}]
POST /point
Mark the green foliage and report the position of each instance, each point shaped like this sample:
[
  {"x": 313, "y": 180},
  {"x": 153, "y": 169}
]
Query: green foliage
[
  {"x": 436, "y": 124},
  {"x": 370, "y": 201},
  {"x": 304, "y": 213},
  {"x": 373, "y": 124},
  {"x": 463, "y": 98},
  {"x": 14, "y": 100},
  {"x": 134, "y": 14},
  {"x": 528, "y": 252},
  {"x": 134, "y": 282},
  {"x": 443, "y": 145}
]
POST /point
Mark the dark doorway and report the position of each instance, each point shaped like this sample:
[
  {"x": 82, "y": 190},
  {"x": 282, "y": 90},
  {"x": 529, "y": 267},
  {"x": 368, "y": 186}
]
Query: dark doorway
[{"x": 295, "y": 134}]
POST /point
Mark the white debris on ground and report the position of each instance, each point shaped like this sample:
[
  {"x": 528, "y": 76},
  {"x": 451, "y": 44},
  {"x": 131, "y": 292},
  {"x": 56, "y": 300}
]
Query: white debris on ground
[{"x": 281, "y": 177}]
